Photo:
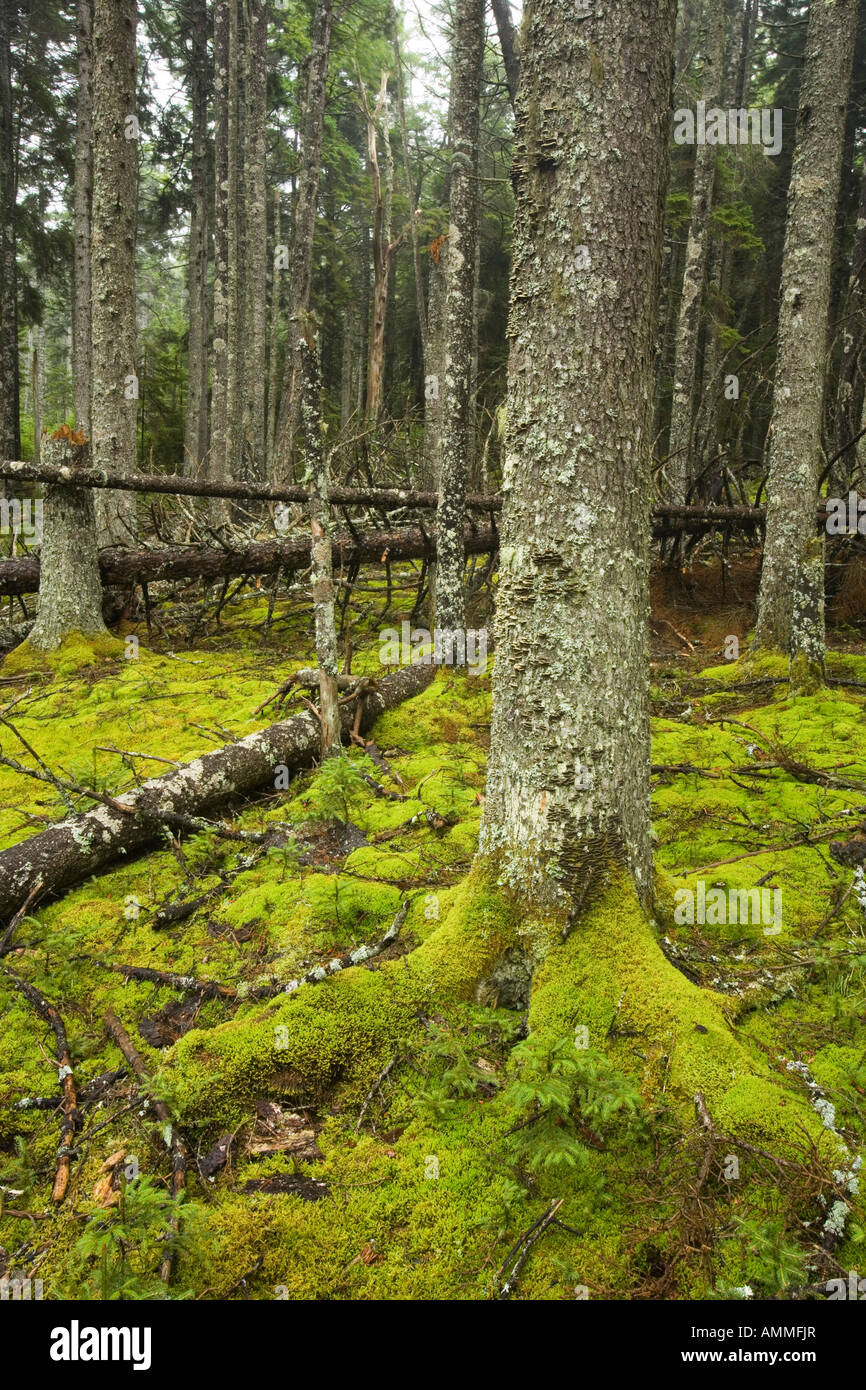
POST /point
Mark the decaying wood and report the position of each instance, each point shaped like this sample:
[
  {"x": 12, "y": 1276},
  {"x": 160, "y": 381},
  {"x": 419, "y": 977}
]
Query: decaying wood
[
  {"x": 119, "y": 568},
  {"x": 81, "y": 845}
]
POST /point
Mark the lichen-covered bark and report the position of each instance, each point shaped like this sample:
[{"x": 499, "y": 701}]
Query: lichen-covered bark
[
  {"x": 216, "y": 461},
  {"x": 112, "y": 263},
  {"x": 316, "y": 478},
  {"x": 77, "y": 847},
  {"x": 83, "y": 194},
  {"x": 694, "y": 274},
  {"x": 304, "y": 226},
  {"x": 70, "y": 589},
  {"x": 456, "y": 386},
  {"x": 568, "y": 777},
  {"x": 10, "y": 435},
  {"x": 255, "y": 200},
  {"x": 383, "y": 250},
  {"x": 791, "y": 599},
  {"x": 195, "y": 435}
]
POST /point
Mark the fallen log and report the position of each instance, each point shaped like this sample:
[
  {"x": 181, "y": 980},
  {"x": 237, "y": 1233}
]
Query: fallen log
[
  {"x": 204, "y": 487},
  {"x": 122, "y": 568},
  {"x": 75, "y": 848}
]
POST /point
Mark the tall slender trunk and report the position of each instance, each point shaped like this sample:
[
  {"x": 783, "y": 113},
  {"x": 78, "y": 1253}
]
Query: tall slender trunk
[
  {"x": 508, "y": 44},
  {"x": 694, "y": 275},
  {"x": 791, "y": 598},
  {"x": 410, "y": 189},
  {"x": 195, "y": 436},
  {"x": 306, "y": 203},
  {"x": 316, "y": 479},
  {"x": 383, "y": 250},
  {"x": 568, "y": 777},
  {"x": 10, "y": 431},
  {"x": 222, "y": 214},
  {"x": 274, "y": 347},
  {"x": 83, "y": 195},
  {"x": 114, "y": 377},
  {"x": 256, "y": 327},
  {"x": 233, "y": 282},
  {"x": 467, "y": 57}
]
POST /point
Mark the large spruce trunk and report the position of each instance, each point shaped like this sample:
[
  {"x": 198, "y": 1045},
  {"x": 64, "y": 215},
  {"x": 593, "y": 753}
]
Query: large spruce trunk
[{"x": 568, "y": 777}]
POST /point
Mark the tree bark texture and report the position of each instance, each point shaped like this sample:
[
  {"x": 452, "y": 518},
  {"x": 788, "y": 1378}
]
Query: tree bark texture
[
  {"x": 568, "y": 775},
  {"x": 70, "y": 589},
  {"x": 114, "y": 378},
  {"x": 791, "y": 597}
]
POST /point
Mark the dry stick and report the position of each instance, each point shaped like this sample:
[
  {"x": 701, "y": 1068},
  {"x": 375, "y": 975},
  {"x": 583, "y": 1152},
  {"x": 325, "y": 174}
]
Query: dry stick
[
  {"x": 160, "y": 1109},
  {"x": 6, "y": 938},
  {"x": 69, "y": 1113},
  {"x": 186, "y": 984},
  {"x": 359, "y": 956},
  {"x": 376, "y": 1087},
  {"x": 524, "y": 1245}
]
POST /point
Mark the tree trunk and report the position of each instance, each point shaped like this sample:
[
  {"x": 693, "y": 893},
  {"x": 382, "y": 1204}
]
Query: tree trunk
[
  {"x": 306, "y": 202},
  {"x": 255, "y": 336},
  {"x": 508, "y": 44},
  {"x": 410, "y": 190},
  {"x": 114, "y": 379},
  {"x": 73, "y": 849},
  {"x": 274, "y": 346},
  {"x": 316, "y": 478},
  {"x": 383, "y": 250},
  {"x": 697, "y": 251},
  {"x": 81, "y": 328},
  {"x": 196, "y": 400},
  {"x": 467, "y": 57},
  {"x": 791, "y": 598},
  {"x": 222, "y": 213},
  {"x": 10, "y": 432},
  {"x": 568, "y": 775},
  {"x": 233, "y": 282},
  {"x": 70, "y": 589}
]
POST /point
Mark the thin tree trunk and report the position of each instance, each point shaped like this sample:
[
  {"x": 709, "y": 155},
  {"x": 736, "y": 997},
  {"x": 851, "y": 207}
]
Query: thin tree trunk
[
  {"x": 222, "y": 213},
  {"x": 233, "y": 283},
  {"x": 306, "y": 202},
  {"x": 255, "y": 336},
  {"x": 791, "y": 598},
  {"x": 694, "y": 275},
  {"x": 459, "y": 298},
  {"x": 274, "y": 348},
  {"x": 568, "y": 777},
  {"x": 196, "y": 400},
  {"x": 81, "y": 328},
  {"x": 508, "y": 44},
  {"x": 114, "y": 378},
  {"x": 383, "y": 250},
  {"x": 10, "y": 432},
  {"x": 410, "y": 190},
  {"x": 316, "y": 478}
]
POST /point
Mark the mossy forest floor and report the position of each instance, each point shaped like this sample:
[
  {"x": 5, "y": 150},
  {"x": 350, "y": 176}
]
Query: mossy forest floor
[{"x": 394, "y": 1131}]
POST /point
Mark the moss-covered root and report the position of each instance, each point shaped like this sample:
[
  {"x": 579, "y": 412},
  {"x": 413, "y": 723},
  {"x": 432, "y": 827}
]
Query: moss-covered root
[
  {"x": 611, "y": 978},
  {"x": 344, "y": 1029}
]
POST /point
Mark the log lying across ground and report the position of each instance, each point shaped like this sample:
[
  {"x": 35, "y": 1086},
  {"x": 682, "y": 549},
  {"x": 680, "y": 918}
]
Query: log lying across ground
[
  {"x": 121, "y": 568},
  {"x": 242, "y": 492},
  {"x": 73, "y": 849}
]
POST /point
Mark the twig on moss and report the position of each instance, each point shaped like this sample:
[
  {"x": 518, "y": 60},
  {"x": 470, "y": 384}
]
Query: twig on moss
[
  {"x": 69, "y": 1109},
  {"x": 523, "y": 1246}
]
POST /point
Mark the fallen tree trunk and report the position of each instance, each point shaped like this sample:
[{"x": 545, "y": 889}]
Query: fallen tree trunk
[
  {"x": 243, "y": 492},
  {"x": 122, "y": 568},
  {"x": 73, "y": 849}
]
